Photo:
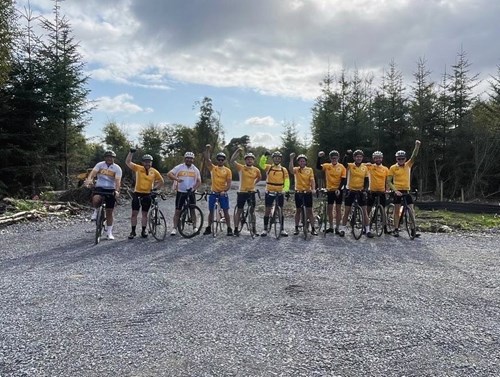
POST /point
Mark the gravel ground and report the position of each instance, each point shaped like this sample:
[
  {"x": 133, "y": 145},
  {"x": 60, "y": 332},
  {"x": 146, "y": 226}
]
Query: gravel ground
[{"x": 241, "y": 307}]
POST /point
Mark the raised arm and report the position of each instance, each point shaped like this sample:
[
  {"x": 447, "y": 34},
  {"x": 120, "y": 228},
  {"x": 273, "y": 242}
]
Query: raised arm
[
  {"x": 415, "y": 151},
  {"x": 263, "y": 160},
  {"x": 318, "y": 160},
  {"x": 290, "y": 165},
  {"x": 235, "y": 155},
  {"x": 128, "y": 160},
  {"x": 206, "y": 154}
]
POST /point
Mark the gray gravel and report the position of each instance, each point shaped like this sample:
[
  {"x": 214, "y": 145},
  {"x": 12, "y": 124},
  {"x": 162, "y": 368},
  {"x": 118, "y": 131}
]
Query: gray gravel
[{"x": 243, "y": 307}]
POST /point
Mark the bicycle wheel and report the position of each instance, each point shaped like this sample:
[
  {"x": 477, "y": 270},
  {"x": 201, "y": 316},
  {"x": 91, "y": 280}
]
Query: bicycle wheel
[
  {"x": 356, "y": 222},
  {"x": 389, "y": 217},
  {"x": 377, "y": 219},
  {"x": 277, "y": 222},
  {"x": 303, "y": 219},
  {"x": 190, "y": 221},
  {"x": 157, "y": 224},
  {"x": 99, "y": 224},
  {"x": 411, "y": 227},
  {"x": 251, "y": 221}
]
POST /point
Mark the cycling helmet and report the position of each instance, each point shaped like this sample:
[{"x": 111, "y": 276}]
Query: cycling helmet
[
  {"x": 301, "y": 156},
  {"x": 147, "y": 157},
  {"x": 358, "y": 152},
  {"x": 189, "y": 155},
  {"x": 377, "y": 154},
  {"x": 249, "y": 154},
  {"x": 334, "y": 153},
  {"x": 400, "y": 154},
  {"x": 109, "y": 153},
  {"x": 277, "y": 154},
  {"x": 221, "y": 154}
]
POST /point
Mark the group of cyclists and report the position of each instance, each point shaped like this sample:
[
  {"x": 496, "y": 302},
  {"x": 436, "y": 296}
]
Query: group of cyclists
[{"x": 345, "y": 182}]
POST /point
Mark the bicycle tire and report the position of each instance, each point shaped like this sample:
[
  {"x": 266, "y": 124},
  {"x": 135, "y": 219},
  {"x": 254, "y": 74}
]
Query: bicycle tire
[
  {"x": 277, "y": 222},
  {"x": 356, "y": 222},
  {"x": 389, "y": 217},
  {"x": 303, "y": 218},
  {"x": 378, "y": 220},
  {"x": 411, "y": 227},
  {"x": 251, "y": 221},
  {"x": 99, "y": 224},
  {"x": 190, "y": 221},
  {"x": 158, "y": 224}
]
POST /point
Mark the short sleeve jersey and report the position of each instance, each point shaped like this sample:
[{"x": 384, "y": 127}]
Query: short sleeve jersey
[
  {"x": 106, "y": 175},
  {"x": 356, "y": 176},
  {"x": 248, "y": 176},
  {"x": 401, "y": 175},
  {"x": 220, "y": 175},
  {"x": 303, "y": 178},
  {"x": 144, "y": 181},
  {"x": 333, "y": 175},
  {"x": 276, "y": 175},
  {"x": 377, "y": 174},
  {"x": 189, "y": 175}
]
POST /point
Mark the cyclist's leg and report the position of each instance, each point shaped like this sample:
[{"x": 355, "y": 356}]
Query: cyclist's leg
[
  {"x": 309, "y": 212},
  {"x": 397, "y": 210},
  {"x": 269, "y": 200},
  {"x": 240, "y": 204},
  {"x": 280, "y": 201},
  {"x": 224, "y": 204},
  {"x": 135, "y": 211},
  {"x": 298, "y": 210},
  {"x": 211, "y": 205},
  {"x": 146, "y": 205}
]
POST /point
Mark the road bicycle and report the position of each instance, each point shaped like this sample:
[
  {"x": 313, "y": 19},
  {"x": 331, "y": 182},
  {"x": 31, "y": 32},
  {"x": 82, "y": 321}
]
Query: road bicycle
[
  {"x": 100, "y": 221},
  {"x": 156, "y": 219},
  {"x": 247, "y": 215},
  {"x": 276, "y": 215},
  {"x": 406, "y": 215},
  {"x": 377, "y": 216},
  {"x": 322, "y": 216},
  {"x": 191, "y": 217},
  {"x": 304, "y": 225},
  {"x": 218, "y": 223},
  {"x": 356, "y": 217}
]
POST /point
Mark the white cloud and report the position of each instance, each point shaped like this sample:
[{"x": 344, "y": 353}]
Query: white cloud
[
  {"x": 265, "y": 139},
  {"x": 266, "y": 121},
  {"x": 120, "y": 104}
]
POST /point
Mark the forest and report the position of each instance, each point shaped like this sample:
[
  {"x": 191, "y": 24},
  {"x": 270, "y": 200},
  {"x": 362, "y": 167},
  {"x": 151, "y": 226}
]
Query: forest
[{"x": 45, "y": 107}]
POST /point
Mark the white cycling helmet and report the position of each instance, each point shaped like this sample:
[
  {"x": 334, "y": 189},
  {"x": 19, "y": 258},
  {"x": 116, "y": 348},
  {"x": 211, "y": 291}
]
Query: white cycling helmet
[
  {"x": 301, "y": 156},
  {"x": 401, "y": 154},
  {"x": 377, "y": 154},
  {"x": 189, "y": 155},
  {"x": 249, "y": 155}
]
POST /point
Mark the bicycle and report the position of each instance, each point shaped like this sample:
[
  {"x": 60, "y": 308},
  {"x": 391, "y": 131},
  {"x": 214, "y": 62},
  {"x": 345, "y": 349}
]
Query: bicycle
[
  {"x": 100, "y": 221},
  {"x": 304, "y": 224},
  {"x": 247, "y": 215},
  {"x": 406, "y": 215},
  {"x": 191, "y": 217},
  {"x": 322, "y": 216},
  {"x": 356, "y": 218},
  {"x": 156, "y": 218},
  {"x": 377, "y": 216},
  {"x": 276, "y": 216},
  {"x": 218, "y": 219}
]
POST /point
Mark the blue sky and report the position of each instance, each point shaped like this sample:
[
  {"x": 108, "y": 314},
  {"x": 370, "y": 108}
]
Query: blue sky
[{"x": 261, "y": 61}]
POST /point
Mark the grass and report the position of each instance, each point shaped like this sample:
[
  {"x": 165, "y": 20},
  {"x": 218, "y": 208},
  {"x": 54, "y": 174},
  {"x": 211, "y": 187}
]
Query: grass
[{"x": 432, "y": 220}]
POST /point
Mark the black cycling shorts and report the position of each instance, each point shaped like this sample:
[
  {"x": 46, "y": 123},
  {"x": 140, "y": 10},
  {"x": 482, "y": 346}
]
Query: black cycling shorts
[
  {"x": 398, "y": 199},
  {"x": 242, "y": 197},
  {"x": 308, "y": 199},
  {"x": 349, "y": 199},
  {"x": 271, "y": 196},
  {"x": 139, "y": 200},
  {"x": 333, "y": 198},
  {"x": 180, "y": 197},
  {"x": 110, "y": 199},
  {"x": 373, "y": 196}
]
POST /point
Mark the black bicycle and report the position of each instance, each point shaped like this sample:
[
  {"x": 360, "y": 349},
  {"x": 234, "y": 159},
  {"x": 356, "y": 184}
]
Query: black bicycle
[
  {"x": 218, "y": 219},
  {"x": 406, "y": 215},
  {"x": 247, "y": 215},
  {"x": 100, "y": 221},
  {"x": 156, "y": 219},
  {"x": 356, "y": 217},
  {"x": 305, "y": 225},
  {"x": 191, "y": 217},
  {"x": 276, "y": 215},
  {"x": 377, "y": 216},
  {"x": 322, "y": 216}
]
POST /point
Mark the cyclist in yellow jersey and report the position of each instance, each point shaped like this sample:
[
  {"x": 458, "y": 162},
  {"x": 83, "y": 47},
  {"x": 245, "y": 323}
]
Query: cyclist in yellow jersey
[
  {"x": 221, "y": 183},
  {"x": 147, "y": 178},
  {"x": 398, "y": 179},
  {"x": 357, "y": 184},
  {"x": 377, "y": 176},
  {"x": 335, "y": 176},
  {"x": 305, "y": 187},
  {"x": 277, "y": 181},
  {"x": 249, "y": 176}
]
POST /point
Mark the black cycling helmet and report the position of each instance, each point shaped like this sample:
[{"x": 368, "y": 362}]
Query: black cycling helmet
[
  {"x": 109, "y": 153},
  {"x": 147, "y": 157}
]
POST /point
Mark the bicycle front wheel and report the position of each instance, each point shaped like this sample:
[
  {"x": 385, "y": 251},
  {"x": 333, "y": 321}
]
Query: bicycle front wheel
[
  {"x": 377, "y": 220},
  {"x": 251, "y": 222},
  {"x": 411, "y": 226},
  {"x": 100, "y": 222},
  {"x": 277, "y": 222},
  {"x": 190, "y": 222},
  {"x": 303, "y": 218},
  {"x": 157, "y": 224},
  {"x": 389, "y": 217},
  {"x": 357, "y": 222}
]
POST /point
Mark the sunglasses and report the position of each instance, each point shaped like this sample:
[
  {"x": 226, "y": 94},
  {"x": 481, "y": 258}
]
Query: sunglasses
[
  {"x": 401, "y": 158},
  {"x": 221, "y": 159}
]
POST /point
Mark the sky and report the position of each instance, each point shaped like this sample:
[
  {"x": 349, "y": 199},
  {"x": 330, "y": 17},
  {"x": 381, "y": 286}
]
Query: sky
[{"x": 260, "y": 61}]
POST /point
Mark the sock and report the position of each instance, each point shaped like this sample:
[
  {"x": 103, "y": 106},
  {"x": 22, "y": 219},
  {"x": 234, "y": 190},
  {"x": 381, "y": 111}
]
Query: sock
[
  {"x": 133, "y": 228},
  {"x": 367, "y": 228},
  {"x": 266, "y": 221},
  {"x": 110, "y": 229}
]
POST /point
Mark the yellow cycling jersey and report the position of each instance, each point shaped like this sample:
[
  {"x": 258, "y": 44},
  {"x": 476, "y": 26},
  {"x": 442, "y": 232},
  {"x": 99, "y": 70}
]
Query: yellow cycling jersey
[
  {"x": 144, "y": 181},
  {"x": 356, "y": 176},
  {"x": 401, "y": 175},
  {"x": 277, "y": 176},
  {"x": 304, "y": 178},
  {"x": 333, "y": 175},
  {"x": 249, "y": 175},
  {"x": 377, "y": 174},
  {"x": 220, "y": 176}
]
